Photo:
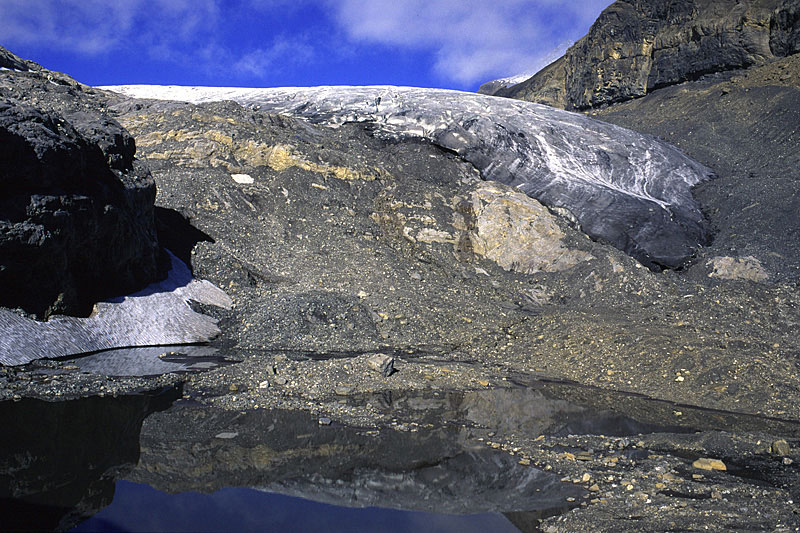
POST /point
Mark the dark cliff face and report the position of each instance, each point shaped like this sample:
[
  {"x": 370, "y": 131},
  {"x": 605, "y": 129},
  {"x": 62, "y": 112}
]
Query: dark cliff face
[
  {"x": 637, "y": 46},
  {"x": 76, "y": 208}
]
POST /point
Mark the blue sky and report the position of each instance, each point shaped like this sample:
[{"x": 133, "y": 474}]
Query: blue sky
[{"x": 455, "y": 44}]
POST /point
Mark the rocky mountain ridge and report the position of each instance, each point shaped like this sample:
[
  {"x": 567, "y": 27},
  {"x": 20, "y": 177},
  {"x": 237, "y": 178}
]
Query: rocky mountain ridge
[{"x": 638, "y": 46}]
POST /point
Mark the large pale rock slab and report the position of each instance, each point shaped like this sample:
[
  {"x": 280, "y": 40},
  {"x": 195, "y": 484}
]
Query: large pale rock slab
[{"x": 515, "y": 231}]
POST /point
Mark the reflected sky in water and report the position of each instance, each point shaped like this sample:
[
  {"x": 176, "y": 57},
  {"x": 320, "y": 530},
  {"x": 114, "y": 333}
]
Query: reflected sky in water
[{"x": 138, "y": 507}]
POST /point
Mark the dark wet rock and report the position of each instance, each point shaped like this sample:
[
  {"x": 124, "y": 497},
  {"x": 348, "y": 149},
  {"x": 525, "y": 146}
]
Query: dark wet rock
[
  {"x": 638, "y": 46},
  {"x": 76, "y": 215}
]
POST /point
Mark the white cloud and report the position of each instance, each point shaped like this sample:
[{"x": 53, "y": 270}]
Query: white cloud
[
  {"x": 473, "y": 39},
  {"x": 261, "y": 61},
  {"x": 98, "y": 26}
]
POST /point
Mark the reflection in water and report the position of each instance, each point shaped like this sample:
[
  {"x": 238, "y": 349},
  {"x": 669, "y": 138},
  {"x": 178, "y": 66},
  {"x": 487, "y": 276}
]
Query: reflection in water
[
  {"x": 150, "y": 361},
  {"x": 58, "y": 461},
  {"x": 190, "y": 448},
  {"x": 238, "y": 509}
]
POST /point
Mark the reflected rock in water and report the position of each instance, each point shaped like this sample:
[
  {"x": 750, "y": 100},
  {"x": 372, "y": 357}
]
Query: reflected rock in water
[
  {"x": 194, "y": 449},
  {"x": 59, "y": 461},
  {"x": 157, "y": 315},
  {"x": 150, "y": 361}
]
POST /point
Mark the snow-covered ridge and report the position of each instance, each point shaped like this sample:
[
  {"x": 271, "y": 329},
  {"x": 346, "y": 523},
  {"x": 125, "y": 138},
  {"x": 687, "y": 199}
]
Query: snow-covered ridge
[{"x": 623, "y": 187}]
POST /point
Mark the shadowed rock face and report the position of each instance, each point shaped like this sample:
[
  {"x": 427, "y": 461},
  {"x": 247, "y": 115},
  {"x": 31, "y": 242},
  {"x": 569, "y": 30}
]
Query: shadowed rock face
[
  {"x": 76, "y": 210},
  {"x": 637, "y": 46},
  {"x": 623, "y": 188}
]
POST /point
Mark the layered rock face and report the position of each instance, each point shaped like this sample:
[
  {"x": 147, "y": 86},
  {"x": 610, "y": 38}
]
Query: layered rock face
[
  {"x": 76, "y": 209},
  {"x": 637, "y": 46}
]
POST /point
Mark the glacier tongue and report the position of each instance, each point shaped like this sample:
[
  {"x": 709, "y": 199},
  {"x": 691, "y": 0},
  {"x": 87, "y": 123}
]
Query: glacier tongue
[{"x": 624, "y": 188}]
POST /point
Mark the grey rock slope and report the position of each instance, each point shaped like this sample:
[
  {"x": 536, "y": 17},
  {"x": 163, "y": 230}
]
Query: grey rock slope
[
  {"x": 637, "y": 46},
  {"x": 623, "y": 188},
  {"x": 76, "y": 209}
]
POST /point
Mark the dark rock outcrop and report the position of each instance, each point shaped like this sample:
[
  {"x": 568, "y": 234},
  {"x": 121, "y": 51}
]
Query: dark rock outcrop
[
  {"x": 637, "y": 46},
  {"x": 76, "y": 210}
]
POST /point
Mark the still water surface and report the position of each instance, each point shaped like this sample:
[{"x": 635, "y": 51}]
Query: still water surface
[{"x": 138, "y": 507}]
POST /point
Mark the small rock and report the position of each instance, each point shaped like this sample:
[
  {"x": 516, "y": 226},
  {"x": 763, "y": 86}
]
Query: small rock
[
  {"x": 780, "y": 447},
  {"x": 343, "y": 390},
  {"x": 233, "y": 387},
  {"x": 416, "y": 275},
  {"x": 381, "y": 363},
  {"x": 704, "y": 463},
  {"x": 226, "y": 435},
  {"x": 362, "y": 295},
  {"x": 595, "y": 488},
  {"x": 586, "y": 477},
  {"x": 525, "y": 462},
  {"x": 263, "y": 385},
  {"x": 787, "y": 461},
  {"x": 280, "y": 381},
  {"x": 324, "y": 421}
]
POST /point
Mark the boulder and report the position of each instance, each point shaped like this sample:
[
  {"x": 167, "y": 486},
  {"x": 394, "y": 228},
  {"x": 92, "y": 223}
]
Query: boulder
[
  {"x": 515, "y": 231},
  {"x": 76, "y": 212}
]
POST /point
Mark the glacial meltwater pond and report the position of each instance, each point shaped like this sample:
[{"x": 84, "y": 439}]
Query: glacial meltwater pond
[{"x": 156, "y": 461}]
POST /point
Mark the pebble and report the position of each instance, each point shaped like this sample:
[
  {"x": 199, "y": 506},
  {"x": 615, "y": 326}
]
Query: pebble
[
  {"x": 280, "y": 381},
  {"x": 381, "y": 363},
  {"x": 704, "y": 463},
  {"x": 324, "y": 421},
  {"x": 780, "y": 447},
  {"x": 263, "y": 385},
  {"x": 226, "y": 435}
]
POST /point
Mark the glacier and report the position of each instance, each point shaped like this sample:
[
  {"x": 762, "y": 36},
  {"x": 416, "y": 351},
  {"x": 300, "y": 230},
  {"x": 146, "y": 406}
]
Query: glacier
[{"x": 623, "y": 188}]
